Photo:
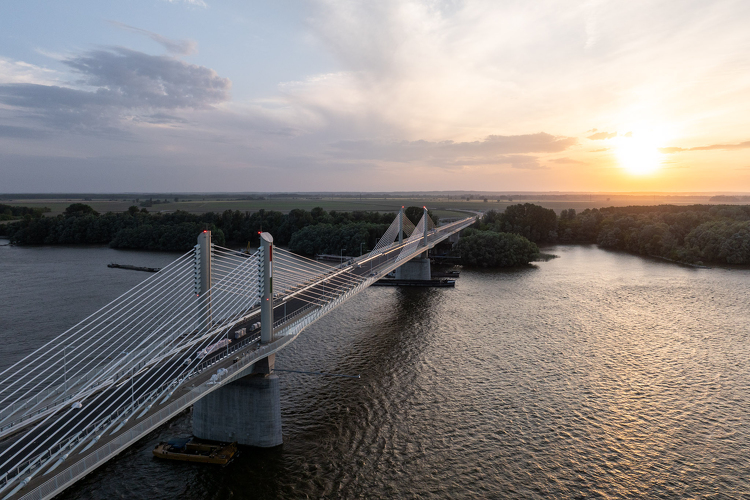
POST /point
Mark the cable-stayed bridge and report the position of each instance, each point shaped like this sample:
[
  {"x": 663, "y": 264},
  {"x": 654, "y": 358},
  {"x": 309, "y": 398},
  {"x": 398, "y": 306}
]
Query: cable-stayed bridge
[{"x": 203, "y": 331}]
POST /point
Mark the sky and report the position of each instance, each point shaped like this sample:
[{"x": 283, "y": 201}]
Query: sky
[{"x": 328, "y": 95}]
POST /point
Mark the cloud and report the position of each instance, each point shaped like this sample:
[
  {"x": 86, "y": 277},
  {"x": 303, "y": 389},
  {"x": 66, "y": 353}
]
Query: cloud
[
  {"x": 670, "y": 150},
  {"x": 23, "y": 72},
  {"x": 122, "y": 82},
  {"x": 12, "y": 132},
  {"x": 599, "y": 150},
  {"x": 602, "y": 135},
  {"x": 179, "y": 47},
  {"x": 726, "y": 147},
  {"x": 197, "y": 3},
  {"x": 522, "y": 162},
  {"x": 567, "y": 161},
  {"x": 493, "y": 150},
  {"x": 161, "y": 119}
]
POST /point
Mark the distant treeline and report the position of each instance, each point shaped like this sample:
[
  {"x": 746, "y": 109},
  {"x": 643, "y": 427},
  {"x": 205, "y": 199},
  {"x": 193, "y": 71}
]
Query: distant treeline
[
  {"x": 326, "y": 232},
  {"x": 729, "y": 199},
  {"x": 9, "y": 212},
  {"x": 692, "y": 234}
]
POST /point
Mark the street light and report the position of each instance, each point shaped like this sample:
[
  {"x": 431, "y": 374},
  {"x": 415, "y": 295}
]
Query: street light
[{"x": 360, "y": 249}]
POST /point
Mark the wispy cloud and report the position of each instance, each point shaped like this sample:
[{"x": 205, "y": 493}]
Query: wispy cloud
[
  {"x": 728, "y": 147},
  {"x": 22, "y": 72},
  {"x": 14, "y": 132},
  {"x": 599, "y": 136},
  {"x": 567, "y": 161},
  {"x": 179, "y": 47},
  {"x": 493, "y": 150},
  {"x": 197, "y": 3}
]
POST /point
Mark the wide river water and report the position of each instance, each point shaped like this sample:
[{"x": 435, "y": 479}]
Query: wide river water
[{"x": 592, "y": 375}]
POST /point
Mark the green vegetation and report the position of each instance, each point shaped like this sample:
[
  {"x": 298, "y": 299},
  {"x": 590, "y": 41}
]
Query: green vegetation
[
  {"x": 694, "y": 234},
  {"x": 533, "y": 222},
  {"x": 9, "y": 212},
  {"x": 492, "y": 249},
  {"x": 327, "y": 232}
]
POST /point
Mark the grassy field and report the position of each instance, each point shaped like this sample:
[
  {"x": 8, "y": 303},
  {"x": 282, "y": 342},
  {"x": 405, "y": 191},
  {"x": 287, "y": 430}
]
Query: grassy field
[{"x": 444, "y": 207}]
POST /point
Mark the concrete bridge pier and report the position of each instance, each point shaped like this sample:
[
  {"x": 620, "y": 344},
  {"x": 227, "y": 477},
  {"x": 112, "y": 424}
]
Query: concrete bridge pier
[
  {"x": 415, "y": 269},
  {"x": 247, "y": 411}
]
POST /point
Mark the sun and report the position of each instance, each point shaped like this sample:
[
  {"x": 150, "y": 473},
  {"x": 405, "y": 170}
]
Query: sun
[{"x": 638, "y": 153}]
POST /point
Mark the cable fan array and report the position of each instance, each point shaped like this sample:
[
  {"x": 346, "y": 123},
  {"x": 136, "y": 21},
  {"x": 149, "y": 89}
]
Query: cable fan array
[
  {"x": 307, "y": 280},
  {"x": 136, "y": 351},
  {"x": 391, "y": 234},
  {"x": 132, "y": 344}
]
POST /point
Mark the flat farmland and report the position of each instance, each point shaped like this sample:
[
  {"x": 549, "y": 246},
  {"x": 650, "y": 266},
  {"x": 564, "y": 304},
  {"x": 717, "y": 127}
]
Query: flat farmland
[{"x": 443, "y": 206}]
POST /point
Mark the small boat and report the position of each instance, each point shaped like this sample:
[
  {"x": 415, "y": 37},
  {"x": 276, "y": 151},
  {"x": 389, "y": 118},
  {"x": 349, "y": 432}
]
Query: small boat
[
  {"x": 188, "y": 451},
  {"x": 135, "y": 268}
]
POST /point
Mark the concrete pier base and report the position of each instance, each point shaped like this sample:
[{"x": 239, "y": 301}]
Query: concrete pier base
[
  {"x": 415, "y": 269},
  {"x": 247, "y": 411}
]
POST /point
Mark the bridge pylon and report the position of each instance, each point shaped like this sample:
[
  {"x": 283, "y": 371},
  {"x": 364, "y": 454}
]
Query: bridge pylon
[
  {"x": 417, "y": 268},
  {"x": 202, "y": 271},
  {"x": 248, "y": 410},
  {"x": 266, "y": 304}
]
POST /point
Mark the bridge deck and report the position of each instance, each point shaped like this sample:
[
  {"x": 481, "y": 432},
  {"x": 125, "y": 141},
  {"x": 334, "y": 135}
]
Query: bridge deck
[{"x": 140, "y": 408}]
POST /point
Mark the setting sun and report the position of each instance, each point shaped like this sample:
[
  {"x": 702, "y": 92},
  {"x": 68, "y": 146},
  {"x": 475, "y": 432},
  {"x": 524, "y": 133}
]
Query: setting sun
[{"x": 638, "y": 153}]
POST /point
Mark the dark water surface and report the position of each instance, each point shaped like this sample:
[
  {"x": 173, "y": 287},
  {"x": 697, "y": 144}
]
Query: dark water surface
[{"x": 594, "y": 375}]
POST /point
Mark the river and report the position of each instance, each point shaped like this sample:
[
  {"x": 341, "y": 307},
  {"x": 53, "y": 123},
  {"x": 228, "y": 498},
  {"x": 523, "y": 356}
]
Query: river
[{"x": 593, "y": 375}]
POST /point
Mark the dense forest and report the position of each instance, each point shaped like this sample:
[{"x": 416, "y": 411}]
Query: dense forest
[
  {"x": 695, "y": 234},
  {"x": 9, "y": 212},
  {"x": 327, "y": 232},
  {"x": 488, "y": 248}
]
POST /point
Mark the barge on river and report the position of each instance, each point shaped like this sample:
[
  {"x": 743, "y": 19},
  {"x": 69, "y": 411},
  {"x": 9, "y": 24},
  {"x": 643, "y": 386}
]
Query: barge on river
[{"x": 189, "y": 451}]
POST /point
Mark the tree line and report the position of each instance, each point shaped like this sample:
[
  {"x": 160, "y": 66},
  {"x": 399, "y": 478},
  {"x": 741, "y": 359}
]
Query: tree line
[
  {"x": 139, "y": 229},
  {"x": 10, "y": 212},
  {"x": 695, "y": 234}
]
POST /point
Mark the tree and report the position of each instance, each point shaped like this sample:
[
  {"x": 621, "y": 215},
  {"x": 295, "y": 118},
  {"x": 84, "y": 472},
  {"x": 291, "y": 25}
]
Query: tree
[
  {"x": 414, "y": 214},
  {"x": 79, "y": 209},
  {"x": 531, "y": 221},
  {"x": 490, "y": 249}
]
